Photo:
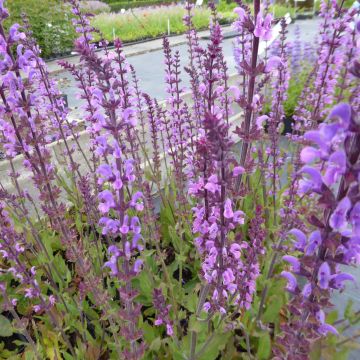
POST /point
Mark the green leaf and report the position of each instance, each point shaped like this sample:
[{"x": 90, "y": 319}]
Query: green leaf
[
  {"x": 5, "y": 327},
  {"x": 271, "y": 313},
  {"x": 175, "y": 239},
  {"x": 332, "y": 316},
  {"x": 264, "y": 347},
  {"x": 217, "y": 344},
  {"x": 155, "y": 344}
]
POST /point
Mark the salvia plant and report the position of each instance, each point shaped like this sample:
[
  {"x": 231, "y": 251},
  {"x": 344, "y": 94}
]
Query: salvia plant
[{"x": 189, "y": 228}]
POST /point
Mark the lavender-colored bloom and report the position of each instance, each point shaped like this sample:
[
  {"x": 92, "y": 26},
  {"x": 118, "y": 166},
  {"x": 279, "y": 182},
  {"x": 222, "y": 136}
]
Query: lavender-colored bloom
[
  {"x": 263, "y": 27},
  {"x": 342, "y": 113},
  {"x": 293, "y": 261},
  {"x": 106, "y": 201},
  {"x": 338, "y": 219},
  {"x": 313, "y": 181},
  {"x": 324, "y": 274},
  {"x": 292, "y": 283},
  {"x": 228, "y": 212},
  {"x": 338, "y": 279},
  {"x": 301, "y": 238},
  {"x": 307, "y": 290},
  {"x": 336, "y": 167},
  {"x": 355, "y": 218},
  {"x": 313, "y": 243},
  {"x": 309, "y": 154}
]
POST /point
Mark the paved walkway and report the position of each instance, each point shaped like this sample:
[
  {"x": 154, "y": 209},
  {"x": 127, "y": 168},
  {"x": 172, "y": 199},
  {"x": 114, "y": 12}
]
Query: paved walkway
[{"x": 135, "y": 49}]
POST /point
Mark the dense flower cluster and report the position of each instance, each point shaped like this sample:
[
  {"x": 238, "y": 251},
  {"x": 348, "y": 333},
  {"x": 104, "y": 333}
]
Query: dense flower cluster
[
  {"x": 331, "y": 172},
  {"x": 163, "y": 229}
]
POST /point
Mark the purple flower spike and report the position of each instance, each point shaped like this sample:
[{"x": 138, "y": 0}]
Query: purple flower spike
[
  {"x": 338, "y": 217},
  {"x": 292, "y": 283},
  {"x": 324, "y": 275}
]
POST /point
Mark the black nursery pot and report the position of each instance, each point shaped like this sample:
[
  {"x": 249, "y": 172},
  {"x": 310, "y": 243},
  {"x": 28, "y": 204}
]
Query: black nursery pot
[{"x": 288, "y": 125}]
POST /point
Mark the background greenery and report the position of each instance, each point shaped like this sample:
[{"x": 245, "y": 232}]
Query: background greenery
[
  {"x": 50, "y": 23},
  {"x": 54, "y": 33}
]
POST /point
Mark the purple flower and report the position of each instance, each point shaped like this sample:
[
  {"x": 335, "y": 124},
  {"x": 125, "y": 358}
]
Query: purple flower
[
  {"x": 136, "y": 201},
  {"x": 273, "y": 63},
  {"x": 240, "y": 13},
  {"x": 14, "y": 34},
  {"x": 169, "y": 330},
  {"x": 206, "y": 306},
  {"x": 338, "y": 279},
  {"x": 309, "y": 154},
  {"x": 301, "y": 239},
  {"x": 313, "y": 243},
  {"x": 260, "y": 121},
  {"x": 263, "y": 27},
  {"x": 212, "y": 184},
  {"x": 239, "y": 217},
  {"x": 292, "y": 283},
  {"x": 106, "y": 201},
  {"x": 306, "y": 291},
  {"x": 355, "y": 218},
  {"x": 228, "y": 212},
  {"x": 106, "y": 172},
  {"x": 135, "y": 225},
  {"x": 326, "y": 328},
  {"x": 313, "y": 181},
  {"x": 336, "y": 166},
  {"x": 238, "y": 170},
  {"x": 342, "y": 113},
  {"x": 235, "y": 250},
  {"x": 293, "y": 261},
  {"x": 338, "y": 217},
  {"x": 138, "y": 265},
  {"x": 324, "y": 274},
  {"x": 124, "y": 229}
]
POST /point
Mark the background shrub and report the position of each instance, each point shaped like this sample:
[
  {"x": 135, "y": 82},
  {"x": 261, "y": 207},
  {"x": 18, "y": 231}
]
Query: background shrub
[
  {"x": 95, "y": 7},
  {"x": 50, "y": 23}
]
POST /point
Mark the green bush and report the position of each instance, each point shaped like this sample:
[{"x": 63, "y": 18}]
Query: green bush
[{"x": 50, "y": 23}]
